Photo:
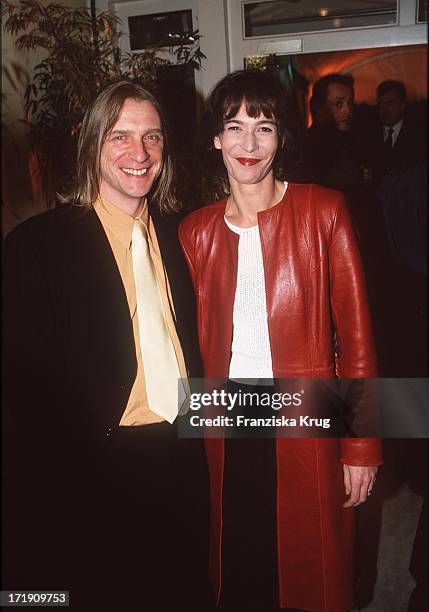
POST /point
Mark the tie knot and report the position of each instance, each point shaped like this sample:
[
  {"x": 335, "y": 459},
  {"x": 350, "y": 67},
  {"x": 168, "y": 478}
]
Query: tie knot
[{"x": 139, "y": 230}]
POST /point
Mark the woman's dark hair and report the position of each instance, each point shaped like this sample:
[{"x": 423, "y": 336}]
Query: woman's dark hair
[{"x": 262, "y": 94}]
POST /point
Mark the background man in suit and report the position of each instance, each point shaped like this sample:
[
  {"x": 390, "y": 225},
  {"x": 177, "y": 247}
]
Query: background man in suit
[
  {"x": 402, "y": 193},
  {"x": 98, "y": 487},
  {"x": 333, "y": 156},
  {"x": 403, "y": 137},
  {"x": 337, "y": 154}
]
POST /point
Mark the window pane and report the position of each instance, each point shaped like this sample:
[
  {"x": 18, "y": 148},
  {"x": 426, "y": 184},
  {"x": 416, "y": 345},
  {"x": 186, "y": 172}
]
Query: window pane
[
  {"x": 294, "y": 16},
  {"x": 422, "y": 11}
]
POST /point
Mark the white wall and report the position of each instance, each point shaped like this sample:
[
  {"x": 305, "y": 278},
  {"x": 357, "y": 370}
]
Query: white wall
[{"x": 214, "y": 42}]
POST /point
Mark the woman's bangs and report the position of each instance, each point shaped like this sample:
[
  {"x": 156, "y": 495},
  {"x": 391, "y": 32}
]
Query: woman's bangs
[
  {"x": 231, "y": 107},
  {"x": 257, "y": 105},
  {"x": 254, "y": 105}
]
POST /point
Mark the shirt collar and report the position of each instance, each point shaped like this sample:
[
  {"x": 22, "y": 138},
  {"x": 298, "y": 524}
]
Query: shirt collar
[
  {"x": 119, "y": 222},
  {"x": 396, "y": 128}
]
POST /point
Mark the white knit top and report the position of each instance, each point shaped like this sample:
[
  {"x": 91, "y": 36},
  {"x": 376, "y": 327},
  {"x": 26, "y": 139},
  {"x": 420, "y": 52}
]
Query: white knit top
[{"x": 251, "y": 353}]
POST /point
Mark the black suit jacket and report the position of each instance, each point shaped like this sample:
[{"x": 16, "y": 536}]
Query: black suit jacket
[
  {"x": 331, "y": 159},
  {"x": 69, "y": 349},
  {"x": 409, "y": 149},
  {"x": 69, "y": 366},
  {"x": 69, "y": 358}
]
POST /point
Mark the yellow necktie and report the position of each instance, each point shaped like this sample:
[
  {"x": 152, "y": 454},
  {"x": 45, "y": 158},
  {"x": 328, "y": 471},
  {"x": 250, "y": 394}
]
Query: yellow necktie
[{"x": 165, "y": 392}]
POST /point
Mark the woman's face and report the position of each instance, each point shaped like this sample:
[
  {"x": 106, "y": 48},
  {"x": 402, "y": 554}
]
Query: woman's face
[{"x": 248, "y": 147}]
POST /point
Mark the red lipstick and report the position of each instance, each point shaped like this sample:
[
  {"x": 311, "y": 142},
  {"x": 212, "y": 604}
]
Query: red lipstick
[{"x": 248, "y": 161}]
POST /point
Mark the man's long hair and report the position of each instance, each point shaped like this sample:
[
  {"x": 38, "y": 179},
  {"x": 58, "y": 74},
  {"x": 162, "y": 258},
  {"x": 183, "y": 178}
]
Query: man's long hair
[{"x": 97, "y": 124}]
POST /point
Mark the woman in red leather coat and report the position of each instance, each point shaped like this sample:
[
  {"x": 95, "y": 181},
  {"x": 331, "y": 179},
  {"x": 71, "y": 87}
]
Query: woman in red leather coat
[{"x": 280, "y": 294}]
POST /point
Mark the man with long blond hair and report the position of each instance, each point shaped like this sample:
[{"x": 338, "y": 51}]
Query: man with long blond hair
[{"x": 99, "y": 342}]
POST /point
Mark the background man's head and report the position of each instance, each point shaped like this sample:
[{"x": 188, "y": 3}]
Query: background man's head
[
  {"x": 97, "y": 125},
  {"x": 332, "y": 101},
  {"x": 391, "y": 102}
]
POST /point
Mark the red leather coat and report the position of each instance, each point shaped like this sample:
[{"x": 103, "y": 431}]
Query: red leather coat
[{"x": 315, "y": 293}]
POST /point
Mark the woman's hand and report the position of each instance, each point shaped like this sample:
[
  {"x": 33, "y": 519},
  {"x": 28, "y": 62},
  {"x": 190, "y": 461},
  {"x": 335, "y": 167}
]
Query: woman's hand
[{"x": 359, "y": 483}]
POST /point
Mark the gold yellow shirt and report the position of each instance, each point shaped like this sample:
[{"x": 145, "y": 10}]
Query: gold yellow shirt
[{"x": 118, "y": 226}]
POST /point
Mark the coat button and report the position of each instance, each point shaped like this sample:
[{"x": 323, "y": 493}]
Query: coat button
[{"x": 108, "y": 432}]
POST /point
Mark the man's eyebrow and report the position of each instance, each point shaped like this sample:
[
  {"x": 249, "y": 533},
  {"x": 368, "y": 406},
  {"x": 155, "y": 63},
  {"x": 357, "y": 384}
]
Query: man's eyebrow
[{"x": 149, "y": 130}]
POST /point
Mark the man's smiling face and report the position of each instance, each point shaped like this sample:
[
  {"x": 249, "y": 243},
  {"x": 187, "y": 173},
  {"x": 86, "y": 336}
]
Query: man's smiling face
[{"x": 132, "y": 155}]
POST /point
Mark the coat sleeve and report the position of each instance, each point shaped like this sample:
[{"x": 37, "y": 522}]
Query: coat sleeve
[
  {"x": 355, "y": 354},
  {"x": 30, "y": 366},
  {"x": 188, "y": 239},
  {"x": 28, "y": 329}
]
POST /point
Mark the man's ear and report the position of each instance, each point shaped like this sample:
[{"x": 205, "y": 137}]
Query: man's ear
[{"x": 216, "y": 142}]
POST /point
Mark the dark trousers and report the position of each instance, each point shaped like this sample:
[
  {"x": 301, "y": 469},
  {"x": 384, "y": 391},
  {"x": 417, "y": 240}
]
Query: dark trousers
[
  {"x": 249, "y": 548},
  {"x": 154, "y": 534},
  {"x": 127, "y": 529}
]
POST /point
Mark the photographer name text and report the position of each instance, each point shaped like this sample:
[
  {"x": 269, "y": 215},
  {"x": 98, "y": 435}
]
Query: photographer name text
[
  {"x": 230, "y": 401},
  {"x": 240, "y": 420}
]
